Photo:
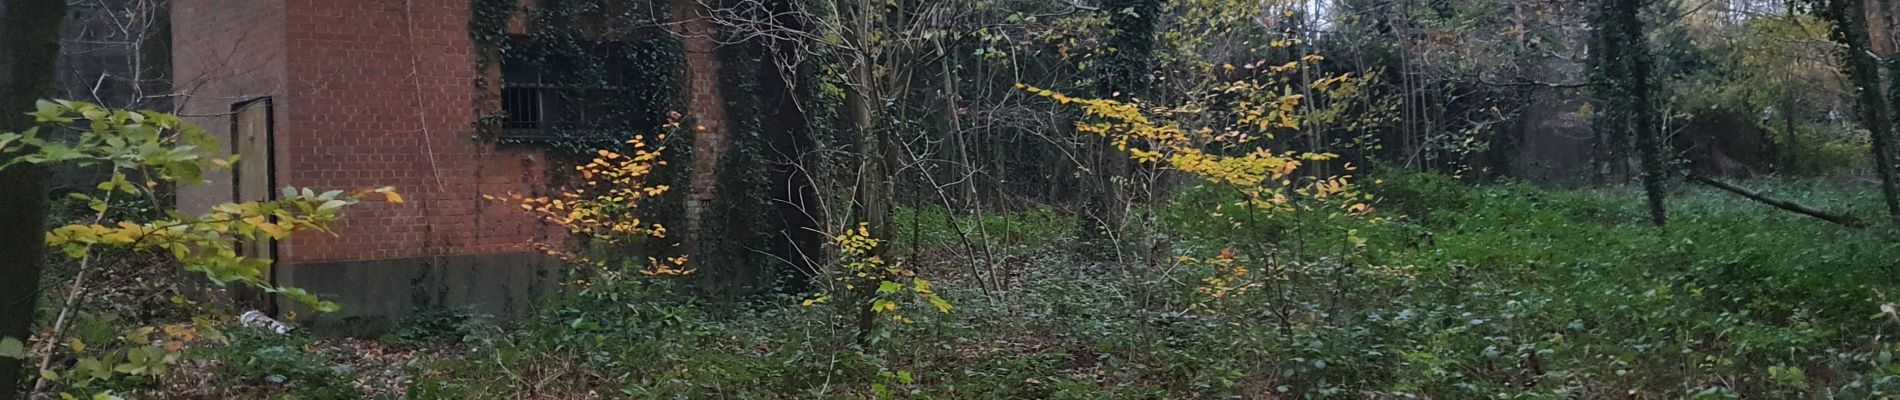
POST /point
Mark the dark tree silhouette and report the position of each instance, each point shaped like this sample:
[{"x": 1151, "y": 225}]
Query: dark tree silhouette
[
  {"x": 1622, "y": 85},
  {"x": 29, "y": 42}
]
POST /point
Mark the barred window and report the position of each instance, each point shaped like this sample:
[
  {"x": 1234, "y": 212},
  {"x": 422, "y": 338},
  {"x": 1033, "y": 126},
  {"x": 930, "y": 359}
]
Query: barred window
[{"x": 556, "y": 89}]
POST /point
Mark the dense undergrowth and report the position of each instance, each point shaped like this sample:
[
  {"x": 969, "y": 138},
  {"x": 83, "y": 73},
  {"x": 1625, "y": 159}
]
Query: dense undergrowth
[{"x": 1498, "y": 291}]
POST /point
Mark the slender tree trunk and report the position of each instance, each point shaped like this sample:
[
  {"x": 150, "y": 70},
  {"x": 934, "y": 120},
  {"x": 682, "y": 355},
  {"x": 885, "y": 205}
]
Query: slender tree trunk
[
  {"x": 1125, "y": 77},
  {"x": 29, "y": 42},
  {"x": 1605, "y": 90},
  {"x": 1791, "y": 151},
  {"x": 1644, "y": 124},
  {"x": 965, "y": 170},
  {"x": 876, "y": 191},
  {"x": 1863, "y": 72}
]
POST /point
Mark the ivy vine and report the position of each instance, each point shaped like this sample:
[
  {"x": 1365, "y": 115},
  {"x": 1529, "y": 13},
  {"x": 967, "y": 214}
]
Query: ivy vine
[{"x": 609, "y": 65}]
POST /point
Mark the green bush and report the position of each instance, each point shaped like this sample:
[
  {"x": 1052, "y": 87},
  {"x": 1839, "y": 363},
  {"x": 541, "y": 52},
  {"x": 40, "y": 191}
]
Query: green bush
[{"x": 260, "y": 363}]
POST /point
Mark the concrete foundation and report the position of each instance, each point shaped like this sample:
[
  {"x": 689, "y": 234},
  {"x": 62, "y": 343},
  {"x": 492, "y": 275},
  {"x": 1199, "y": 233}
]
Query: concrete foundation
[{"x": 377, "y": 295}]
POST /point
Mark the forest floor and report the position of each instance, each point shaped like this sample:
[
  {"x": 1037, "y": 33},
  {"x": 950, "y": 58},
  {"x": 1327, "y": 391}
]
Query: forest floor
[{"x": 1496, "y": 291}]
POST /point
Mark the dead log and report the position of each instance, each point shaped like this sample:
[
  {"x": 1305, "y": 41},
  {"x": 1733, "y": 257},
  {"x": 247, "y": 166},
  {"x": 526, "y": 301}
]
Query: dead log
[{"x": 1781, "y": 204}]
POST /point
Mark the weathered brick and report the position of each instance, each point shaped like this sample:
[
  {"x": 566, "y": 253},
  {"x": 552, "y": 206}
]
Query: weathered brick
[{"x": 367, "y": 93}]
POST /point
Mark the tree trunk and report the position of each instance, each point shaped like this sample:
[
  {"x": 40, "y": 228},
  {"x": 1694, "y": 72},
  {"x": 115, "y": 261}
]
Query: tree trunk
[
  {"x": 1125, "y": 76},
  {"x": 1863, "y": 73},
  {"x": 1644, "y": 125},
  {"x": 875, "y": 192},
  {"x": 1623, "y": 81},
  {"x": 29, "y": 42},
  {"x": 1791, "y": 151}
]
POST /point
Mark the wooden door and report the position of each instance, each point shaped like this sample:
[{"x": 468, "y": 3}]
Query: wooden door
[{"x": 251, "y": 180}]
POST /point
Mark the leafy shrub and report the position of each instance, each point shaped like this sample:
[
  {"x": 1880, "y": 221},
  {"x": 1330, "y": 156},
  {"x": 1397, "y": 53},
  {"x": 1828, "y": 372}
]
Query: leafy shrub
[
  {"x": 444, "y": 325},
  {"x": 1419, "y": 195},
  {"x": 263, "y": 363}
]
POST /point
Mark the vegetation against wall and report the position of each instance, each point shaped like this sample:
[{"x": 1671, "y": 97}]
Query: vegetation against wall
[{"x": 146, "y": 152}]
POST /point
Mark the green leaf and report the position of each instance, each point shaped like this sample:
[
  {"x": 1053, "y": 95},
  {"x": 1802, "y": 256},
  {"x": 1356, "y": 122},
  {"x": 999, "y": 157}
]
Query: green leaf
[
  {"x": 47, "y": 111},
  {"x": 942, "y": 305},
  {"x": 11, "y": 347},
  {"x": 7, "y": 138},
  {"x": 59, "y": 152},
  {"x": 889, "y": 287},
  {"x": 92, "y": 367}
]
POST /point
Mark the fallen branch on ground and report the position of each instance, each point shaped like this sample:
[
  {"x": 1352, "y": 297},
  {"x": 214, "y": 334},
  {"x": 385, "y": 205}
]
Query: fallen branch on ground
[{"x": 1781, "y": 204}]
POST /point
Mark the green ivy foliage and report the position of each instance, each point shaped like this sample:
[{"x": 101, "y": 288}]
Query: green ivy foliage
[
  {"x": 617, "y": 58},
  {"x": 612, "y": 60}
]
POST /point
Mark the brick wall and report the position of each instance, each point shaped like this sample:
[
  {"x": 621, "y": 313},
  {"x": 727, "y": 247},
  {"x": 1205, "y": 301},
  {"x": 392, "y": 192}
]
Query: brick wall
[
  {"x": 368, "y": 93},
  {"x": 384, "y": 94}
]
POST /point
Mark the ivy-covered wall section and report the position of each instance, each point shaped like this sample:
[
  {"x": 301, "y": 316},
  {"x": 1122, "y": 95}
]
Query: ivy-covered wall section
[{"x": 581, "y": 75}]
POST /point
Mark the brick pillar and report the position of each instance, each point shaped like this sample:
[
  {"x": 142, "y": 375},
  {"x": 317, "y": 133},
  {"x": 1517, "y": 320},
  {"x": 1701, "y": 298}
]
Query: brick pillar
[{"x": 706, "y": 109}]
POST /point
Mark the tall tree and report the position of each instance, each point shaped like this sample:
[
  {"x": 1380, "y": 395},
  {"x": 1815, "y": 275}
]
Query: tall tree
[
  {"x": 29, "y": 42},
  {"x": 1862, "y": 69},
  {"x": 876, "y": 193},
  {"x": 1126, "y": 70},
  {"x": 1622, "y": 84}
]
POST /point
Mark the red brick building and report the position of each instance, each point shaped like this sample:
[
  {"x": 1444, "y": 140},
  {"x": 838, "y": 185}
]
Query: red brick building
[
  {"x": 345, "y": 94},
  {"x": 349, "y": 94}
]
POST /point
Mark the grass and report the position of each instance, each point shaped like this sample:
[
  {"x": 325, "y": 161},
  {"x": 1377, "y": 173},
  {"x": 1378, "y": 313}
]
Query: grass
[{"x": 1500, "y": 291}]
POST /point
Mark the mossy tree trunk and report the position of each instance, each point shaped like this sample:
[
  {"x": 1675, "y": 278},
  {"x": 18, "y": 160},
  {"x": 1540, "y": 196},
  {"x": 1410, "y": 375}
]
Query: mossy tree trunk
[
  {"x": 1622, "y": 83},
  {"x": 29, "y": 42}
]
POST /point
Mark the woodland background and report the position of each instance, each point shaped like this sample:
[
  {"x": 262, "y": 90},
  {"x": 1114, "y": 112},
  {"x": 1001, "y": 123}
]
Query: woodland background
[{"x": 1047, "y": 199}]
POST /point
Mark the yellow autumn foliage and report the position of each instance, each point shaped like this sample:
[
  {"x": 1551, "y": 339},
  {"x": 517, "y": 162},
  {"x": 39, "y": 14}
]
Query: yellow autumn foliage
[
  {"x": 604, "y": 207},
  {"x": 1235, "y": 156}
]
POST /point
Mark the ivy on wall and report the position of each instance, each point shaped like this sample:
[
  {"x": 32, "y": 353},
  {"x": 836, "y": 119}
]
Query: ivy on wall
[
  {"x": 604, "y": 68},
  {"x": 618, "y": 65}
]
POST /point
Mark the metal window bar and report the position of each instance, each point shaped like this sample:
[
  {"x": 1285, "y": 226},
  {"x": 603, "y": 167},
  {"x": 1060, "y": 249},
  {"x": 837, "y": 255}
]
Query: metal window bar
[{"x": 522, "y": 108}]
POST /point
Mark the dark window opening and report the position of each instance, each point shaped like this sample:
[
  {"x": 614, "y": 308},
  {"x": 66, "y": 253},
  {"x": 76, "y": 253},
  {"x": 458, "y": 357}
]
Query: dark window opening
[
  {"x": 521, "y": 107},
  {"x": 553, "y": 88}
]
